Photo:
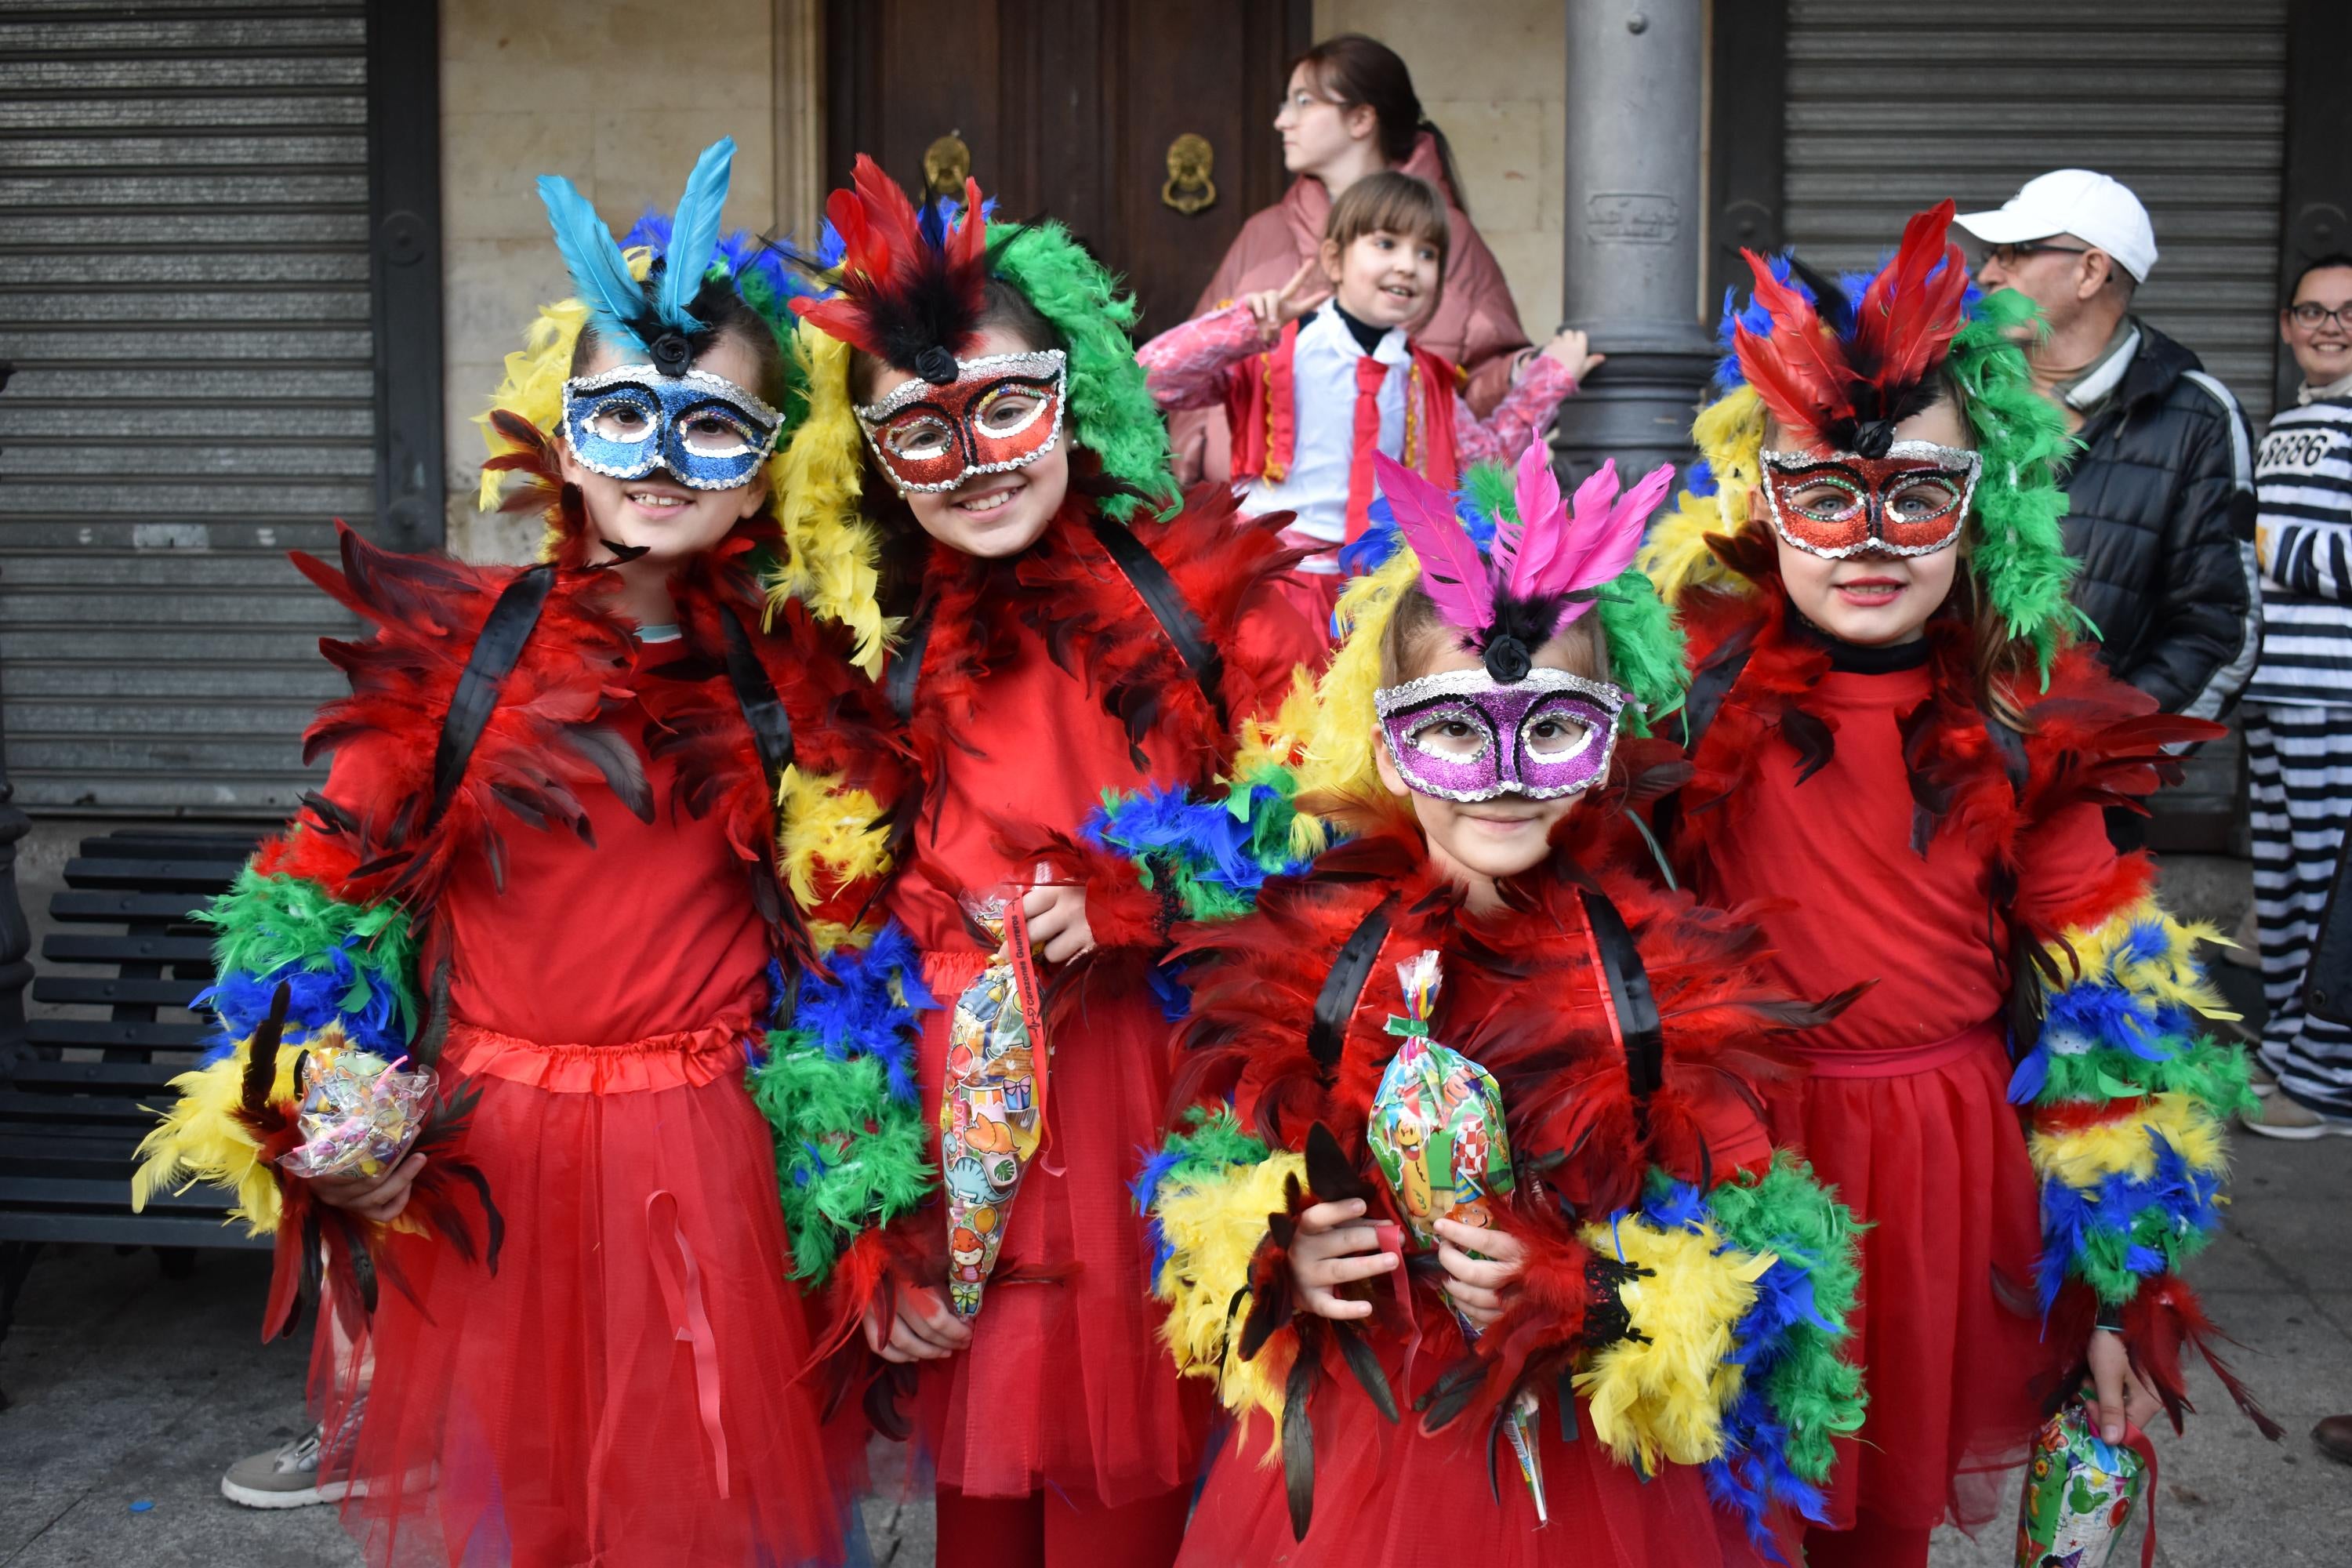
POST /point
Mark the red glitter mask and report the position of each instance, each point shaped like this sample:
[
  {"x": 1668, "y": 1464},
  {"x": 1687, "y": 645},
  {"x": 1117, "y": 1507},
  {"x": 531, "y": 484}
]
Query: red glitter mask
[
  {"x": 1913, "y": 502},
  {"x": 1003, "y": 411}
]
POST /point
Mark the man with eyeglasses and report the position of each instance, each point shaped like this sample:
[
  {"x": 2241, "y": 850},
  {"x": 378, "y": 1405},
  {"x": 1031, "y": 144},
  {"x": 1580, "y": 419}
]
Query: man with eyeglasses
[
  {"x": 2299, "y": 710},
  {"x": 2160, "y": 497}
]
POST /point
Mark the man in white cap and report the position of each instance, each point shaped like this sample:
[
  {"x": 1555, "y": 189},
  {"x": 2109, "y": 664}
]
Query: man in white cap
[{"x": 2161, "y": 496}]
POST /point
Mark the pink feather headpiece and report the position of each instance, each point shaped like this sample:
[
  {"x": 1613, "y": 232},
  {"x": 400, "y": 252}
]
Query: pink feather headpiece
[{"x": 1542, "y": 571}]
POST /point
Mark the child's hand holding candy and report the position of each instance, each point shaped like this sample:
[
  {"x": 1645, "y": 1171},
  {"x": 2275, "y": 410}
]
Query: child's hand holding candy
[
  {"x": 1331, "y": 1250},
  {"x": 1478, "y": 1285},
  {"x": 922, "y": 1328},
  {"x": 1056, "y": 914},
  {"x": 380, "y": 1197}
]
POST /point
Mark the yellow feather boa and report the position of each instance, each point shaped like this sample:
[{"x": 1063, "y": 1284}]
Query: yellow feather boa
[
  {"x": 2108, "y": 952},
  {"x": 1213, "y": 1228},
  {"x": 819, "y": 480},
  {"x": 1729, "y": 433},
  {"x": 2085, "y": 1157},
  {"x": 1661, "y": 1397},
  {"x": 200, "y": 1138},
  {"x": 830, "y": 836}
]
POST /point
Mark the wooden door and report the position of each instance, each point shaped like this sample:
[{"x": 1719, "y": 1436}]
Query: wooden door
[{"x": 1069, "y": 110}]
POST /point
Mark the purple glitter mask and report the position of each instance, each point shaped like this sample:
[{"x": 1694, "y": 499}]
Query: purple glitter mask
[{"x": 1464, "y": 736}]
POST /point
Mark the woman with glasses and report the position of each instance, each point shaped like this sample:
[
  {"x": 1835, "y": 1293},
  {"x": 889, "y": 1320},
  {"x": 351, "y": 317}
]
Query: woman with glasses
[
  {"x": 1349, "y": 110},
  {"x": 2298, "y": 708}
]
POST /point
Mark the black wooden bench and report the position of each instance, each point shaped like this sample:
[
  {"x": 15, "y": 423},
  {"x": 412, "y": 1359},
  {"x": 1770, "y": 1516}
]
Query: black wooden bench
[{"x": 75, "y": 1098}]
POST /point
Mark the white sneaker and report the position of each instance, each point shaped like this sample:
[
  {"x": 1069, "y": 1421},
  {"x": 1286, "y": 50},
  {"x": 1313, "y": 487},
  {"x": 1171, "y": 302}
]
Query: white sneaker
[
  {"x": 285, "y": 1477},
  {"x": 288, "y": 1476},
  {"x": 2285, "y": 1118}
]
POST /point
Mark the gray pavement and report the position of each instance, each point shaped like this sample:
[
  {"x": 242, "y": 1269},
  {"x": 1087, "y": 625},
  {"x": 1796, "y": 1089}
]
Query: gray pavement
[
  {"x": 131, "y": 1392},
  {"x": 129, "y": 1388}
]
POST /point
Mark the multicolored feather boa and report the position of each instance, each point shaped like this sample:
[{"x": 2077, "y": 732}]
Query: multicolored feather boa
[{"x": 1697, "y": 1305}]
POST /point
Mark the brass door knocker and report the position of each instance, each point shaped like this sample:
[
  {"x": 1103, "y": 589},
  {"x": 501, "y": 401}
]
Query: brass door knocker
[
  {"x": 947, "y": 165},
  {"x": 1189, "y": 188}
]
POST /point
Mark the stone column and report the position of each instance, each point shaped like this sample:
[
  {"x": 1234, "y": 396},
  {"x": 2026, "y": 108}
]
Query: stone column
[{"x": 1635, "y": 196}]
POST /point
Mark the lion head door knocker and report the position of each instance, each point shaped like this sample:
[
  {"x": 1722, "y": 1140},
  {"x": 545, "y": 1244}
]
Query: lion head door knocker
[
  {"x": 1189, "y": 188},
  {"x": 947, "y": 163}
]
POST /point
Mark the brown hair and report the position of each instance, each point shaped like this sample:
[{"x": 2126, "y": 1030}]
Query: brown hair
[
  {"x": 724, "y": 312},
  {"x": 1352, "y": 69},
  {"x": 1415, "y": 631},
  {"x": 1390, "y": 202}
]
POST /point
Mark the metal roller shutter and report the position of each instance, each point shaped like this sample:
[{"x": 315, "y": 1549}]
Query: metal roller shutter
[
  {"x": 1893, "y": 107},
  {"x": 184, "y": 295}
]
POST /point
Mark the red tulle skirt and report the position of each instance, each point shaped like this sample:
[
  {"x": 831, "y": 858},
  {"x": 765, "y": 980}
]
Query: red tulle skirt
[
  {"x": 1388, "y": 1496},
  {"x": 1931, "y": 1155},
  {"x": 1066, "y": 1385},
  {"x": 623, "y": 1391}
]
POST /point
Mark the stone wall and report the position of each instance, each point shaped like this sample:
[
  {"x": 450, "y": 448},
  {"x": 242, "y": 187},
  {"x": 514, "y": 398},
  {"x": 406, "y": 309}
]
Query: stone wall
[
  {"x": 619, "y": 97},
  {"x": 1493, "y": 75},
  {"x": 595, "y": 92}
]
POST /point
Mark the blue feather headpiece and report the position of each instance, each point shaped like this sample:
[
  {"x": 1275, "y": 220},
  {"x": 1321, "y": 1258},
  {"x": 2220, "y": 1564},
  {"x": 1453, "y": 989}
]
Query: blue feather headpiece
[{"x": 653, "y": 317}]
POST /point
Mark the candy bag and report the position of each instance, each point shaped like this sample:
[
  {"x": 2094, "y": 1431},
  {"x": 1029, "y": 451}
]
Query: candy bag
[
  {"x": 2079, "y": 1492},
  {"x": 991, "y": 1114},
  {"x": 358, "y": 1115},
  {"x": 1437, "y": 1135}
]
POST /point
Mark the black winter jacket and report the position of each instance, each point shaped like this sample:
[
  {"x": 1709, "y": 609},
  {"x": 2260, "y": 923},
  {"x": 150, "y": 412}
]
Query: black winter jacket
[{"x": 2161, "y": 515}]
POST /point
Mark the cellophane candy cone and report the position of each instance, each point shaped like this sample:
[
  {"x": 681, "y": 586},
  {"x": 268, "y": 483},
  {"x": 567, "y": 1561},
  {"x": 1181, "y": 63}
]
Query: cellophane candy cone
[
  {"x": 991, "y": 1114},
  {"x": 1438, "y": 1135}
]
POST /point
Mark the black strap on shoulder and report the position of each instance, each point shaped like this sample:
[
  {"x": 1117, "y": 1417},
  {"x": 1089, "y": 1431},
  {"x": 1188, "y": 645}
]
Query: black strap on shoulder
[
  {"x": 907, "y": 669},
  {"x": 763, "y": 710},
  {"x": 505, "y": 633},
  {"x": 1709, "y": 688},
  {"x": 2009, "y": 746},
  {"x": 1344, "y": 986},
  {"x": 1166, "y": 602},
  {"x": 1629, "y": 995}
]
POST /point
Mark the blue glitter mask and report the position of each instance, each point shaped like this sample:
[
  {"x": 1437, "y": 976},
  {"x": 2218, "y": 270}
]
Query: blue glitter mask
[{"x": 708, "y": 432}]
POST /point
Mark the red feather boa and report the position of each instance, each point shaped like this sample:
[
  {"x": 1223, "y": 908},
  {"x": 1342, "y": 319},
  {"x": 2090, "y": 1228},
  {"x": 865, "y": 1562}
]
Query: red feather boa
[
  {"x": 1067, "y": 590},
  {"x": 1523, "y": 998},
  {"x": 2088, "y": 740},
  {"x": 547, "y": 739},
  {"x": 555, "y": 729}
]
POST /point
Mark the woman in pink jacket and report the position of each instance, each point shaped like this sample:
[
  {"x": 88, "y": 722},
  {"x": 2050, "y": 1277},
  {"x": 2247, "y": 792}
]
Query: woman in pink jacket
[{"x": 1350, "y": 111}]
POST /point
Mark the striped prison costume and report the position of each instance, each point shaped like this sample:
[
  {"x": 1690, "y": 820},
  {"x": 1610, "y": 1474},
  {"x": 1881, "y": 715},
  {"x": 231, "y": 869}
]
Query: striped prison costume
[{"x": 2298, "y": 719}]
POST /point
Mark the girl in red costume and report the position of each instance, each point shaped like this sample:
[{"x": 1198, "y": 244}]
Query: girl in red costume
[
  {"x": 1898, "y": 740},
  {"x": 1479, "y": 735},
  {"x": 1061, "y": 630},
  {"x": 544, "y": 862}
]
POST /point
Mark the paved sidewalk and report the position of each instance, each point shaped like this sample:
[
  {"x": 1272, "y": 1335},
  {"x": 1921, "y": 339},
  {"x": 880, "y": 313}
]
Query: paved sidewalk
[{"x": 131, "y": 1388}]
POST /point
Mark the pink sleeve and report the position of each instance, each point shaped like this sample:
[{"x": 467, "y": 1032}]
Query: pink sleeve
[
  {"x": 1185, "y": 365},
  {"x": 1522, "y": 415}
]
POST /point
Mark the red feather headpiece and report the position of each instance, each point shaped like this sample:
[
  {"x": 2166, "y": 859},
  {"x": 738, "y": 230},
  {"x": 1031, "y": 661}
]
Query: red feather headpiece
[
  {"x": 911, "y": 286},
  {"x": 1843, "y": 376}
]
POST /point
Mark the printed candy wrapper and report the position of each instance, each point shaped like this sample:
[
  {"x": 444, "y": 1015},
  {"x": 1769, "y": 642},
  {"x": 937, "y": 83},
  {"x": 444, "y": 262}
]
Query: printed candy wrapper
[
  {"x": 2079, "y": 1492},
  {"x": 992, "y": 1114},
  {"x": 358, "y": 1115},
  {"x": 1437, "y": 1135}
]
